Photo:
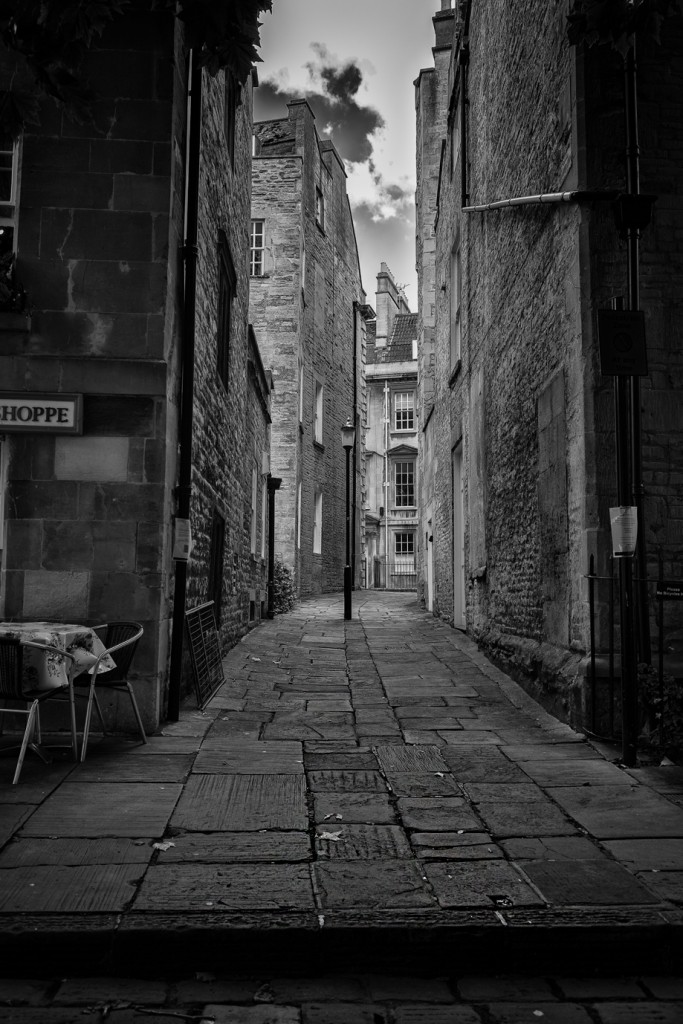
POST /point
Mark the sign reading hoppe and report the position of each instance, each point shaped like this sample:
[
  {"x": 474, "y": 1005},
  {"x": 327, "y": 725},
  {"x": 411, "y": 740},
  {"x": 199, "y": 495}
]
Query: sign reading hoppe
[{"x": 23, "y": 412}]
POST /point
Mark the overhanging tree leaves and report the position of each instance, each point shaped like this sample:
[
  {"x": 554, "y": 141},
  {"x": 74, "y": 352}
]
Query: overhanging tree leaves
[
  {"x": 615, "y": 22},
  {"x": 50, "y": 39}
]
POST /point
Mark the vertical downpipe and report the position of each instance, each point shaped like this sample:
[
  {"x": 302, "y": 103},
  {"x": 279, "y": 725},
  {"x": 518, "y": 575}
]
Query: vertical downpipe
[
  {"x": 633, "y": 243},
  {"x": 184, "y": 488}
]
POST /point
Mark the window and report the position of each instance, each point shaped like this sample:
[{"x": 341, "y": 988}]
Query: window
[
  {"x": 264, "y": 519},
  {"x": 256, "y": 249},
  {"x": 9, "y": 164},
  {"x": 404, "y": 410},
  {"x": 404, "y": 544},
  {"x": 254, "y": 498},
  {"x": 455, "y": 135},
  {"x": 303, "y": 271},
  {"x": 227, "y": 282},
  {"x": 319, "y": 209},
  {"x": 404, "y": 484},
  {"x": 301, "y": 392},
  {"x": 230, "y": 117},
  {"x": 318, "y": 523},
  {"x": 456, "y": 288},
  {"x": 318, "y": 412},
  {"x": 217, "y": 545}
]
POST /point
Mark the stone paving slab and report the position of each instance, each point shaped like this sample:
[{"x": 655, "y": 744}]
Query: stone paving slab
[
  {"x": 371, "y": 833},
  {"x": 614, "y": 812},
  {"x": 232, "y": 847},
  {"x": 105, "y": 809},
  {"x": 371, "y": 884},
  {"x": 242, "y": 803},
  {"x": 587, "y": 882},
  {"x": 481, "y": 883},
  {"x": 250, "y": 758},
  {"x": 199, "y": 887}
]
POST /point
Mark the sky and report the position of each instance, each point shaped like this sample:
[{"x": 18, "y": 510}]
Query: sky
[{"x": 355, "y": 61}]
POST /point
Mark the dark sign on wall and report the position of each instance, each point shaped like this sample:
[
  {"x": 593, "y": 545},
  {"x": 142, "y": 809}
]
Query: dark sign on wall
[
  {"x": 622, "y": 343},
  {"x": 23, "y": 412}
]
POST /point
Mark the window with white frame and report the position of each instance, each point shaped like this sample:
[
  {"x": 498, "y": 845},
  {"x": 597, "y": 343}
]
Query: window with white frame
[
  {"x": 404, "y": 410},
  {"x": 254, "y": 498},
  {"x": 456, "y": 289},
  {"x": 404, "y": 484},
  {"x": 404, "y": 544},
  {"x": 9, "y": 185},
  {"x": 318, "y": 412},
  {"x": 264, "y": 518},
  {"x": 319, "y": 208},
  {"x": 256, "y": 247},
  {"x": 318, "y": 523},
  {"x": 301, "y": 392}
]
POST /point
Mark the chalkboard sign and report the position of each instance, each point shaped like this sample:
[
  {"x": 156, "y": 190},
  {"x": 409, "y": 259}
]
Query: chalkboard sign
[{"x": 205, "y": 650}]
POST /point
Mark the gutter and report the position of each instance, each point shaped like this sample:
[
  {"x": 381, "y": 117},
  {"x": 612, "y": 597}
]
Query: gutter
[
  {"x": 576, "y": 196},
  {"x": 184, "y": 488}
]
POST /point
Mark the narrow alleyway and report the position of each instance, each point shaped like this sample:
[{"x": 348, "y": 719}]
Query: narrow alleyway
[{"x": 370, "y": 797}]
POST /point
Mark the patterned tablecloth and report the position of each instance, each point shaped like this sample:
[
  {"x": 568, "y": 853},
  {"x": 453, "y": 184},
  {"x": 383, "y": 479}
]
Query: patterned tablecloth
[{"x": 46, "y": 671}]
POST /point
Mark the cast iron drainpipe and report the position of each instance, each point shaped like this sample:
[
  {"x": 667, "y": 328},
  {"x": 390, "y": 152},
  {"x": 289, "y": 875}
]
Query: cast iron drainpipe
[
  {"x": 184, "y": 488},
  {"x": 354, "y": 497}
]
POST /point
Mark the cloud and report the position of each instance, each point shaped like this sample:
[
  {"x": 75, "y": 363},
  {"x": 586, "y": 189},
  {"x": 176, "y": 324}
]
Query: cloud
[
  {"x": 335, "y": 89},
  {"x": 331, "y": 92}
]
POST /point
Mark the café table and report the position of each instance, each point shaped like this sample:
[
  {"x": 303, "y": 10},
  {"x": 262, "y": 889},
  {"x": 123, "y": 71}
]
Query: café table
[{"x": 47, "y": 671}]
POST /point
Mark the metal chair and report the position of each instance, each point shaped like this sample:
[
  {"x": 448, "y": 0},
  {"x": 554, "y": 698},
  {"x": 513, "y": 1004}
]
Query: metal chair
[
  {"x": 11, "y": 688},
  {"x": 120, "y": 640}
]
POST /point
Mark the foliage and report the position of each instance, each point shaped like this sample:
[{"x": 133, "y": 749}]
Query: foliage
[
  {"x": 661, "y": 709},
  {"x": 616, "y": 21},
  {"x": 51, "y": 39},
  {"x": 12, "y": 295},
  {"x": 283, "y": 587}
]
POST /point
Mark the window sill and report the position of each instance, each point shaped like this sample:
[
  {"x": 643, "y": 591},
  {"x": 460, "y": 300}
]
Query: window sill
[
  {"x": 301, "y": 428},
  {"x": 319, "y": 445},
  {"x": 455, "y": 373},
  {"x": 259, "y": 277},
  {"x": 320, "y": 227}
]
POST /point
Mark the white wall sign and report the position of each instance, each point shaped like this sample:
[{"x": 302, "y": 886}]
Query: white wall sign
[{"x": 23, "y": 412}]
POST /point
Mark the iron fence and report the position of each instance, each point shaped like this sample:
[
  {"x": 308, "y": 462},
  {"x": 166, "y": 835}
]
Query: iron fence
[
  {"x": 658, "y": 682},
  {"x": 382, "y": 575}
]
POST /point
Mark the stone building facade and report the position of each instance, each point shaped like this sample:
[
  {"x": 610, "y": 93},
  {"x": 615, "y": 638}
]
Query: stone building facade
[
  {"x": 518, "y": 437},
  {"x": 391, "y": 536},
  {"x": 97, "y": 212},
  {"x": 307, "y": 306}
]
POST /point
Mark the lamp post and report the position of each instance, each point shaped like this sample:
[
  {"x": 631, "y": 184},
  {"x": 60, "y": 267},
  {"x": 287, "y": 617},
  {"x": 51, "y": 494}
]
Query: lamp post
[{"x": 348, "y": 432}]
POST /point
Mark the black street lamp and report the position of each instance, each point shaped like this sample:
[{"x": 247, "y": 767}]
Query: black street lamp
[{"x": 348, "y": 432}]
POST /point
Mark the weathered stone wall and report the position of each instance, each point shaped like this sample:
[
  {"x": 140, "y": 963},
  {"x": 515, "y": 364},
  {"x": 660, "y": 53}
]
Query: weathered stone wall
[
  {"x": 431, "y": 103},
  {"x": 305, "y": 324},
  {"x": 230, "y": 435},
  {"x": 527, "y": 401},
  {"x": 87, "y": 517},
  {"x": 660, "y": 117}
]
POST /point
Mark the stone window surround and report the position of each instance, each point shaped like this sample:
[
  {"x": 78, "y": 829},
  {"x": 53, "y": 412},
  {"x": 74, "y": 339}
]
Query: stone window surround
[{"x": 227, "y": 289}]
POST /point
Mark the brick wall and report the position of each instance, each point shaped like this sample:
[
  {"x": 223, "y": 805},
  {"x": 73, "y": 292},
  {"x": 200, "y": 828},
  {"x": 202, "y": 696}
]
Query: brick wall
[
  {"x": 230, "y": 434},
  {"x": 87, "y": 517}
]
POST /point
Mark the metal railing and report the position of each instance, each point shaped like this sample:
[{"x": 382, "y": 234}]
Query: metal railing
[
  {"x": 379, "y": 574},
  {"x": 604, "y": 705}
]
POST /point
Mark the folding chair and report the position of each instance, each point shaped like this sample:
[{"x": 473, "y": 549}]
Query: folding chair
[
  {"x": 120, "y": 641},
  {"x": 11, "y": 688}
]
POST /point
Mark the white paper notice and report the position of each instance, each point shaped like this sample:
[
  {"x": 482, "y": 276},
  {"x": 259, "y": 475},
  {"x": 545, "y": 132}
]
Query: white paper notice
[{"x": 624, "y": 524}]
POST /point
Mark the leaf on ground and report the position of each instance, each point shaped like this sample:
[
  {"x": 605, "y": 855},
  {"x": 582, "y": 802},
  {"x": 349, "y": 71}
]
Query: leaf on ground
[{"x": 333, "y": 837}]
